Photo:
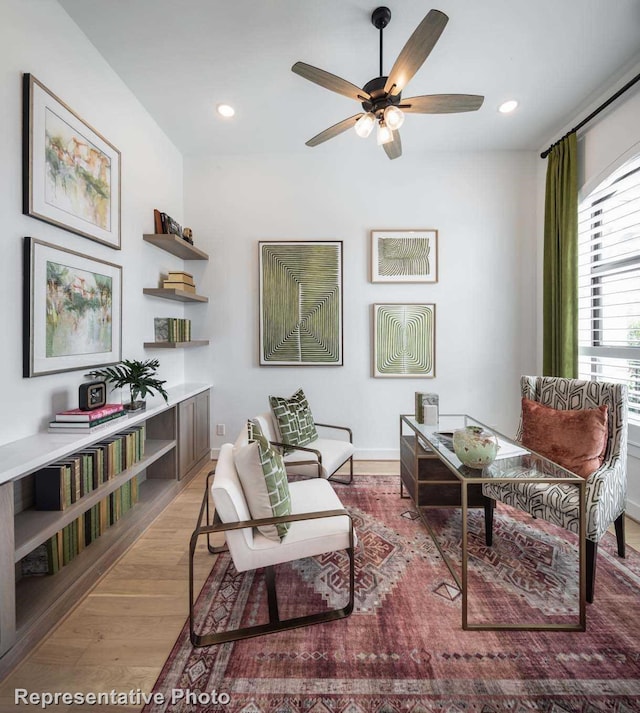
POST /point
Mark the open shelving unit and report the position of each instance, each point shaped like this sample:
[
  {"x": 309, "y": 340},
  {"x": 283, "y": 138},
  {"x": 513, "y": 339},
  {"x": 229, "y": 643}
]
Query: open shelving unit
[
  {"x": 33, "y": 527},
  {"x": 176, "y": 445},
  {"x": 176, "y": 246}
]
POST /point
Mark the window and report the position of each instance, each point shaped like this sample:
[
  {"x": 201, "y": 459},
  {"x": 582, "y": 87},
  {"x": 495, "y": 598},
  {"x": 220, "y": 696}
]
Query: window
[{"x": 609, "y": 282}]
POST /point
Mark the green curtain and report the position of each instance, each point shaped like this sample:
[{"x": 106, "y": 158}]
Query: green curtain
[{"x": 560, "y": 279}]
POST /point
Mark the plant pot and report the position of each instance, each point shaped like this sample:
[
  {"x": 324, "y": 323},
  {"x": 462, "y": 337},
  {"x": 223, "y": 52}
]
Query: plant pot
[
  {"x": 135, "y": 406},
  {"x": 475, "y": 446}
]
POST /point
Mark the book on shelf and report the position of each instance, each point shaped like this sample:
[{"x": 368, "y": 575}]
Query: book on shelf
[
  {"x": 76, "y": 414},
  {"x": 53, "y": 487},
  {"x": 161, "y": 329},
  {"x": 61, "y": 484},
  {"x": 172, "y": 329},
  {"x": 165, "y": 224},
  {"x": 180, "y": 276},
  {"x": 158, "y": 222},
  {"x": 78, "y": 426},
  {"x": 174, "y": 285}
]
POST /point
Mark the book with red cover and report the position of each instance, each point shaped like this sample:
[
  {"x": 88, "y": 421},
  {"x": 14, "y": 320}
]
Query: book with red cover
[
  {"x": 76, "y": 414},
  {"x": 79, "y": 426}
]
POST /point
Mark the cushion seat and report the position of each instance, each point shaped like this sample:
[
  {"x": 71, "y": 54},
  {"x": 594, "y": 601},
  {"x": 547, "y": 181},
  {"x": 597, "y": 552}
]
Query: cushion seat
[
  {"x": 555, "y": 503},
  {"x": 305, "y": 538},
  {"x": 334, "y": 453}
]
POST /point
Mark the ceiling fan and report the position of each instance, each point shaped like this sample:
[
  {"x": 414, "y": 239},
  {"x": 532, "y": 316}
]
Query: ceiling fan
[{"x": 381, "y": 98}]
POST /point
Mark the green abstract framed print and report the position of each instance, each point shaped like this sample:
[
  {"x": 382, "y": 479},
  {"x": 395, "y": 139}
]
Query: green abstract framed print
[
  {"x": 71, "y": 174},
  {"x": 404, "y": 256},
  {"x": 404, "y": 340},
  {"x": 301, "y": 303},
  {"x": 72, "y": 310}
]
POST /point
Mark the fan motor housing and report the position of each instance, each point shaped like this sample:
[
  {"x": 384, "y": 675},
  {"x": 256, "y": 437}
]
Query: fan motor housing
[{"x": 380, "y": 100}]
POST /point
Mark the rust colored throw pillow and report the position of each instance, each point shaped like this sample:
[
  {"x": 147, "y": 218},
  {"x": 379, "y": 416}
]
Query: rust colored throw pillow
[{"x": 576, "y": 440}]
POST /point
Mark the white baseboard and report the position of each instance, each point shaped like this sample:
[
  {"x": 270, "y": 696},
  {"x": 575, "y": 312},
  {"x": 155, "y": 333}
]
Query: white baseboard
[
  {"x": 633, "y": 510},
  {"x": 377, "y": 454}
]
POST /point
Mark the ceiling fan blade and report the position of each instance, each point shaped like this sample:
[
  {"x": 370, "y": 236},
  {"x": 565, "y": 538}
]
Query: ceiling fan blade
[
  {"x": 415, "y": 51},
  {"x": 441, "y": 103},
  {"x": 394, "y": 148},
  {"x": 334, "y": 130},
  {"x": 330, "y": 81}
]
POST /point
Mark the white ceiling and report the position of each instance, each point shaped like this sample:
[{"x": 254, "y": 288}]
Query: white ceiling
[{"x": 183, "y": 57}]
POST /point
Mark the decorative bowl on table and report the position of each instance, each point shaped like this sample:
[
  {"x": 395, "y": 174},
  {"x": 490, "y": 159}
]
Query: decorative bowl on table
[{"x": 475, "y": 446}]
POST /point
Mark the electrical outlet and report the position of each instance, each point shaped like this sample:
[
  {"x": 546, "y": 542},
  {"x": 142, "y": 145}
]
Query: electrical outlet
[{"x": 221, "y": 429}]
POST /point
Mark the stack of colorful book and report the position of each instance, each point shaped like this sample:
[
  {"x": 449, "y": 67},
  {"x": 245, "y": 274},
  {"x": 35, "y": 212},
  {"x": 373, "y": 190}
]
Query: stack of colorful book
[
  {"x": 76, "y": 420},
  {"x": 180, "y": 281}
]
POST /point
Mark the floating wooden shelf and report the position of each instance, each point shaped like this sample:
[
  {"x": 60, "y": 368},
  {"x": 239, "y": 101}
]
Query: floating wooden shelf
[
  {"x": 168, "y": 293},
  {"x": 176, "y": 345},
  {"x": 176, "y": 246}
]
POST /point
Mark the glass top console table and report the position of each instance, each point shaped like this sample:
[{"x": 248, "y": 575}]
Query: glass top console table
[{"x": 435, "y": 478}]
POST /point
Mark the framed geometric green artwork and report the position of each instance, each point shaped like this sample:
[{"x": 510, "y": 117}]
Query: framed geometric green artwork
[
  {"x": 72, "y": 310},
  {"x": 404, "y": 340},
  {"x": 301, "y": 303},
  {"x": 404, "y": 256}
]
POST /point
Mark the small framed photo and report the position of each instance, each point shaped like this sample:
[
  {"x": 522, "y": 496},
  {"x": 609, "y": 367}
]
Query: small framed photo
[
  {"x": 404, "y": 256},
  {"x": 404, "y": 340},
  {"x": 72, "y": 310},
  {"x": 71, "y": 174}
]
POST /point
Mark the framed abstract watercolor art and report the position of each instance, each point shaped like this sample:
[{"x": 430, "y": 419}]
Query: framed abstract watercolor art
[{"x": 72, "y": 310}]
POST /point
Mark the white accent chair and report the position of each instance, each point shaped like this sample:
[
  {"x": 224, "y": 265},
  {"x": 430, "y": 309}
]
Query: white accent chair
[
  {"x": 319, "y": 524},
  {"x": 320, "y": 458}
]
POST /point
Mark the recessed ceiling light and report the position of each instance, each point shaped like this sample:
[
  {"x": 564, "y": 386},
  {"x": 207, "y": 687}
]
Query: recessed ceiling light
[
  {"x": 225, "y": 110},
  {"x": 508, "y": 106}
]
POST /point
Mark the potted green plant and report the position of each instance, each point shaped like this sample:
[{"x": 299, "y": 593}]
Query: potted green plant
[{"x": 139, "y": 376}]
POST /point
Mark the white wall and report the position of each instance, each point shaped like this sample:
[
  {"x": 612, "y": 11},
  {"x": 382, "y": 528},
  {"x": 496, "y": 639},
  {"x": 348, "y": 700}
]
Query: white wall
[
  {"x": 481, "y": 205},
  {"x": 37, "y": 36}
]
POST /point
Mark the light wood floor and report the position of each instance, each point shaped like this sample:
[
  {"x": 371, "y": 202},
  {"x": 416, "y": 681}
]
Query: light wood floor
[{"x": 121, "y": 633}]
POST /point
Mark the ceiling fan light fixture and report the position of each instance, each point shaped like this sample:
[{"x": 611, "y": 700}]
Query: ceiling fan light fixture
[
  {"x": 364, "y": 125},
  {"x": 393, "y": 117},
  {"x": 385, "y": 135}
]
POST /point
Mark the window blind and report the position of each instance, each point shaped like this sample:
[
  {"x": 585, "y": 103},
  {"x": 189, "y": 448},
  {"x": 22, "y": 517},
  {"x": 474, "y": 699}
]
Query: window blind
[{"x": 609, "y": 282}]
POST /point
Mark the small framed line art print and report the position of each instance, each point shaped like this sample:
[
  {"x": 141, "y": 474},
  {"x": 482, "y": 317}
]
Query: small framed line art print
[
  {"x": 404, "y": 340},
  {"x": 301, "y": 303},
  {"x": 404, "y": 256},
  {"x": 71, "y": 174},
  {"x": 72, "y": 310}
]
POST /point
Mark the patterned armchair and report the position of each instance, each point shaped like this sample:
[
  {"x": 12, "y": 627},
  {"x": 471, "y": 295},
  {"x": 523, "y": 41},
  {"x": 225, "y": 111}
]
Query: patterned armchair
[{"x": 606, "y": 488}]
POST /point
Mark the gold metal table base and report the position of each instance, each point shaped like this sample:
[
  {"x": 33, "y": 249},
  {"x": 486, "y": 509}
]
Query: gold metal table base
[{"x": 462, "y": 582}]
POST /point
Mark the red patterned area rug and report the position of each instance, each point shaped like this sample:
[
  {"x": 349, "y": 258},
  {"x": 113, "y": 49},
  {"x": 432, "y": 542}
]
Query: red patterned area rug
[{"x": 403, "y": 648}]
